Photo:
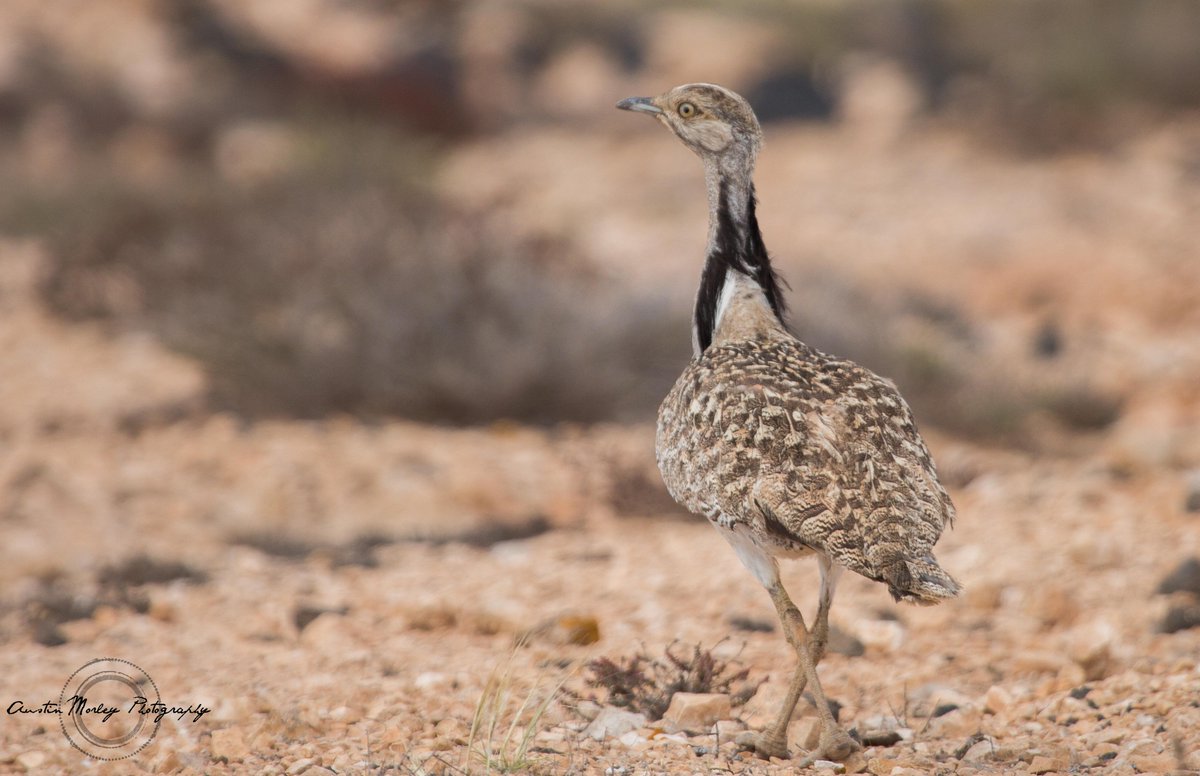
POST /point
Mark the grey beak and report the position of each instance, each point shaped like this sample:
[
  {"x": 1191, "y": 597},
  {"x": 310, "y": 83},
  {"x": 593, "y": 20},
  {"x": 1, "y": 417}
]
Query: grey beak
[{"x": 640, "y": 104}]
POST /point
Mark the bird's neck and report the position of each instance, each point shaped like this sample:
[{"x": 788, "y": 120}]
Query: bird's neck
[{"x": 737, "y": 269}]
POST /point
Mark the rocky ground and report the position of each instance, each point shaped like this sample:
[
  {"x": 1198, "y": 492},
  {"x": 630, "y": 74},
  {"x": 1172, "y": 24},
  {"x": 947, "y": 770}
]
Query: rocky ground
[
  {"x": 346, "y": 597},
  {"x": 353, "y": 595}
]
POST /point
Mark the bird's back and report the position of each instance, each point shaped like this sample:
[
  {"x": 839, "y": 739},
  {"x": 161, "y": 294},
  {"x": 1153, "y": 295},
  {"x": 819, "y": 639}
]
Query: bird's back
[{"x": 809, "y": 452}]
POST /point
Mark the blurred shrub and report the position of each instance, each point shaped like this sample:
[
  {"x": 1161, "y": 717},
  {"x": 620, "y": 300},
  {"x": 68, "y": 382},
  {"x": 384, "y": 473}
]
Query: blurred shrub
[
  {"x": 343, "y": 285},
  {"x": 1041, "y": 75}
]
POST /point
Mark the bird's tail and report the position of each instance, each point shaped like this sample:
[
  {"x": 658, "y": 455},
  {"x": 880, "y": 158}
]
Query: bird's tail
[{"x": 919, "y": 581}]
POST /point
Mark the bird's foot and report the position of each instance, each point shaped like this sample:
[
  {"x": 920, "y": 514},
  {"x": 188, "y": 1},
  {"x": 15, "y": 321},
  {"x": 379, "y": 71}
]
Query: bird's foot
[
  {"x": 835, "y": 744},
  {"x": 767, "y": 746}
]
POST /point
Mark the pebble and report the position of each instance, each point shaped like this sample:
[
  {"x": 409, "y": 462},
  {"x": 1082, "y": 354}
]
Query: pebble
[
  {"x": 1055, "y": 605},
  {"x": 588, "y": 709},
  {"x": 843, "y": 642},
  {"x": 32, "y": 760},
  {"x": 696, "y": 712},
  {"x": 997, "y": 699},
  {"x": 882, "y": 635},
  {"x": 429, "y": 679},
  {"x": 804, "y": 733},
  {"x": 1090, "y": 645},
  {"x": 1154, "y": 763},
  {"x": 1106, "y": 736},
  {"x": 980, "y": 750},
  {"x": 1043, "y": 764},
  {"x": 566, "y": 630},
  {"x": 300, "y": 766},
  {"x": 879, "y": 766},
  {"x": 229, "y": 743},
  {"x": 959, "y": 723},
  {"x": 1191, "y": 501},
  {"x": 1183, "y": 578},
  {"x": 1035, "y": 661},
  {"x": 727, "y": 729},
  {"x": 929, "y": 698},
  {"x": 613, "y": 722}
]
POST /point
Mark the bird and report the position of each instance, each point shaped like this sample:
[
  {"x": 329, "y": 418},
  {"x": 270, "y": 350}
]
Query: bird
[{"x": 787, "y": 451}]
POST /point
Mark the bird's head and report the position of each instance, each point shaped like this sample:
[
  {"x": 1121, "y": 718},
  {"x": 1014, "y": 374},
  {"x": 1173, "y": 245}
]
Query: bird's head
[{"x": 711, "y": 120}]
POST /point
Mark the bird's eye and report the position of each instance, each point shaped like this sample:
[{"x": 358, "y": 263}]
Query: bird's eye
[{"x": 687, "y": 110}]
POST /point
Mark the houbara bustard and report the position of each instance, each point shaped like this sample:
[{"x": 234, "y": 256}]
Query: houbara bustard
[{"x": 787, "y": 451}]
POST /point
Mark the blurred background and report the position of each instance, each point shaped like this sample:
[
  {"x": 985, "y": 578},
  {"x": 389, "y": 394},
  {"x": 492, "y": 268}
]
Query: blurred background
[
  {"x": 311, "y": 310},
  {"x": 429, "y": 210},
  {"x": 231, "y": 225}
]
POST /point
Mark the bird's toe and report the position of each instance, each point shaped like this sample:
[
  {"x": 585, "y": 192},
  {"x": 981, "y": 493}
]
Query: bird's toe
[
  {"x": 768, "y": 746},
  {"x": 835, "y": 745}
]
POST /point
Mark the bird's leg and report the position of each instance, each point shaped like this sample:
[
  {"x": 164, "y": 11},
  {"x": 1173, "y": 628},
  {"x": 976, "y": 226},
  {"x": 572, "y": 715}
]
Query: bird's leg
[
  {"x": 772, "y": 742},
  {"x": 835, "y": 744},
  {"x": 830, "y": 574}
]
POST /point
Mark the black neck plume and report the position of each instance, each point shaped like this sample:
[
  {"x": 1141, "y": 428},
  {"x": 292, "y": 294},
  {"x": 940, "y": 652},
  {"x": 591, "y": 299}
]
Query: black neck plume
[{"x": 737, "y": 246}]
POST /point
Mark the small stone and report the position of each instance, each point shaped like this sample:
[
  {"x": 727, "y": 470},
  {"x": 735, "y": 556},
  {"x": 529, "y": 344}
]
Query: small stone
[
  {"x": 1180, "y": 618},
  {"x": 1191, "y": 501},
  {"x": 843, "y": 642},
  {"x": 450, "y": 728},
  {"x": 1143, "y": 747},
  {"x": 980, "y": 750},
  {"x": 985, "y": 596},
  {"x": 1043, "y": 764},
  {"x": 1107, "y": 736},
  {"x": 1091, "y": 647},
  {"x": 566, "y": 630},
  {"x": 588, "y": 709},
  {"x": 934, "y": 700},
  {"x": 163, "y": 610},
  {"x": 1154, "y": 763},
  {"x": 1069, "y": 676},
  {"x": 727, "y": 729},
  {"x": 696, "y": 712},
  {"x": 879, "y": 766},
  {"x": 580, "y": 630},
  {"x": 229, "y": 743},
  {"x": 32, "y": 760},
  {"x": 805, "y": 733},
  {"x": 1033, "y": 661},
  {"x": 752, "y": 624},
  {"x": 613, "y": 722},
  {"x": 881, "y": 737},
  {"x": 168, "y": 763},
  {"x": 881, "y": 635},
  {"x": 855, "y": 763},
  {"x": 829, "y": 765},
  {"x": 997, "y": 700},
  {"x": 300, "y": 766},
  {"x": 429, "y": 679},
  {"x": 956, "y": 723},
  {"x": 1055, "y": 606}
]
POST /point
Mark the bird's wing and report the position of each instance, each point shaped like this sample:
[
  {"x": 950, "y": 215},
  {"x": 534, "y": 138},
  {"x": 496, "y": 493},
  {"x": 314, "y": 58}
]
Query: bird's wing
[{"x": 838, "y": 464}]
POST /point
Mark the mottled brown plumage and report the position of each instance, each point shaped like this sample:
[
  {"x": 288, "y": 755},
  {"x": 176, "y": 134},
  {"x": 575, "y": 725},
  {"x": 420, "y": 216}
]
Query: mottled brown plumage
[
  {"x": 810, "y": 453},
  {"x": 786, "y": 450}
]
